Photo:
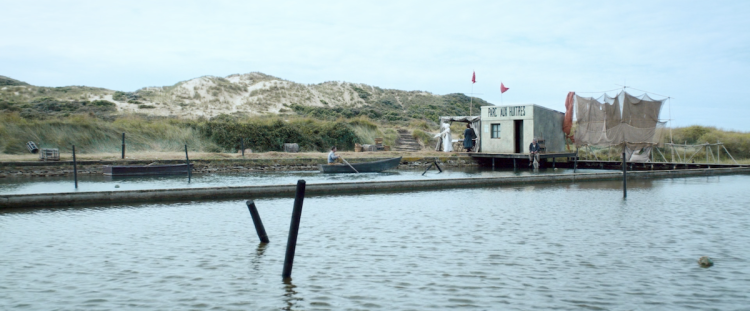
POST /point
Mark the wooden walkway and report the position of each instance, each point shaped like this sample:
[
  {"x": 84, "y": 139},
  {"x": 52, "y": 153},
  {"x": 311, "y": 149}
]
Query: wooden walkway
[{"x": 569, "y": 156}]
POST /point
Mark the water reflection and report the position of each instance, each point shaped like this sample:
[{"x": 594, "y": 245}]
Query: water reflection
[
  {"x": 259, "y": 251},
  {"x": 290, "y": 295},
  {"x": 563, "y": 246}
]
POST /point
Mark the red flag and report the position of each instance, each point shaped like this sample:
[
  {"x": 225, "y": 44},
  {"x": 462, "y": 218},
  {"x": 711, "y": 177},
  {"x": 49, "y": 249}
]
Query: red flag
[
  {"x": 473, "y": 77},
  {"x": 503, "y": 88}
]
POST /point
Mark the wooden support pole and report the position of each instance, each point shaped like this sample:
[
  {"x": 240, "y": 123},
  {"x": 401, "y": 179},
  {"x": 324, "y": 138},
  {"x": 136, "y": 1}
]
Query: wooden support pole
[
  {"x": 257, "y": 221},
  {"x": 187, "y": 160},
  {"x": 242, "y": 145},
  {"x": 428, "y": 168},
  {"x": 553, "y": 162},
  {"x": 493, "y": 163},
  {"x": 75, "y": 167},
  {"x": 624, "y": 177},
  {"x": 575, "y": 161},
  {"x": 123, "y": 145},
  {"x": 718, "y": 155},
  {"x": 291, "y": 243},
  {"x": 514, "y": 163}
]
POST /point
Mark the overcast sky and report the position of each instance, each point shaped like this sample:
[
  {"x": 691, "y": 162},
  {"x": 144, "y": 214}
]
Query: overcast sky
[{"x": 698, "y": 53}]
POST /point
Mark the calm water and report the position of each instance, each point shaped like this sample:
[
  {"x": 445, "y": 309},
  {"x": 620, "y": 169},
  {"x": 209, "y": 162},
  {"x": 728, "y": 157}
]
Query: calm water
[
  {"x": 99, "y": 182},
  {"x": 561, "y": 246}
]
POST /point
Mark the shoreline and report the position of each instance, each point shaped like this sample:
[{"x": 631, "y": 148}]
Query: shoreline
[
  {"x": 51, "y": 200},
  {"x": 10, "y": 169}
]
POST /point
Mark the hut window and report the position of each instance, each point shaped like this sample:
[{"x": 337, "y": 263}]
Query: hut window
[{"x": 495, "y": 131}]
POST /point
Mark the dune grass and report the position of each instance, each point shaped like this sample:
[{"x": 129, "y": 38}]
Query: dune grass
[{"x": 93, "y": 135}]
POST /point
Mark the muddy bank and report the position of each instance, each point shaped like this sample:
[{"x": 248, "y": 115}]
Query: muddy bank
[{"x": 62, "y": 168}]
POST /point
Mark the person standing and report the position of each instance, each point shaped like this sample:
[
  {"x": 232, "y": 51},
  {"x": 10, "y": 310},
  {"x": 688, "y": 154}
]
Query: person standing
[
  {"x": 469, "y": 137},
  {"x": 533, "y": 152}
]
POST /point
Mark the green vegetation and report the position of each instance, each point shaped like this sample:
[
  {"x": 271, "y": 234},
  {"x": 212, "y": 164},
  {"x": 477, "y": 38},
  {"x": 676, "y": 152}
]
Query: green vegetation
[
  {"x": 46, "y": 107},
  {"x": 222, "y": 134},
  {"x": 737, "y": 143},
  {"x": 270, "y": 134},
  {"x": 5, "y": 81},
  {"x": 93, "y": 135}
]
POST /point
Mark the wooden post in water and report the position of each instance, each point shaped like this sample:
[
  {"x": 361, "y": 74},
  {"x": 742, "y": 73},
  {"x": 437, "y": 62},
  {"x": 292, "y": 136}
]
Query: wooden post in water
[
  {"x": 187, "y": 160},
  {"x": 123, "y": 145},
  {"x": 257, "y": 222},
  {"x": 291, "y": 243},
  {"x": 553, "y": 162},
  {"x": 75, "y": 167},
  {"x": 575, "y": 161},
  {"x": 514, "y": 163},
  {"x": 624, "y": 175},
  {"x": 242, "y": 145}
]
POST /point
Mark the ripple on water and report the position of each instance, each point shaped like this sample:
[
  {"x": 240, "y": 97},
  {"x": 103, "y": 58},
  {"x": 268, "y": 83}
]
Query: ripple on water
[{"x": 557, "y": 246}]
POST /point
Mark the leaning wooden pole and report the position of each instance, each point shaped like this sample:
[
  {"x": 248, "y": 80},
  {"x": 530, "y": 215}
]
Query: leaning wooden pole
[
  {"x": 291, "y": 243},
  {"x": 257, "y": 221}
]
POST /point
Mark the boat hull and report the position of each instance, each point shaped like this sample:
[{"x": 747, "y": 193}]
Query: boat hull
[
  {"x": 365, "y": 167},
  {"x": 138, "y": 170}
]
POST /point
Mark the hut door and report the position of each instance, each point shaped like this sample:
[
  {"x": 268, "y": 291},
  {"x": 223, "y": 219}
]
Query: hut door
[{"x": 518, "y": 135}]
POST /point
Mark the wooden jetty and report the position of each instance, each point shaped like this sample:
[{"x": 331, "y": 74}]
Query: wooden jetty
[
  {"x": 523, "y": 157},
  {"x": 143, "y": 170}
]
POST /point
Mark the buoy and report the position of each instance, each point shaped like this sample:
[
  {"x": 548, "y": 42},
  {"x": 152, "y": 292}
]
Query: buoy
[{"x": 705, "y": 262}]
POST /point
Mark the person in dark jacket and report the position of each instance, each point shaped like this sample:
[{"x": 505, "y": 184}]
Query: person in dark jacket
[
  {"x": 469, "y": 137},
  {"x": 533, "y": 151}
]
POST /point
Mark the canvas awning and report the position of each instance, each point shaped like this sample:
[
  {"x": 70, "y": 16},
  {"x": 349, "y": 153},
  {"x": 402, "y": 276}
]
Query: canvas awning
[{"x": 465, "y": 119}]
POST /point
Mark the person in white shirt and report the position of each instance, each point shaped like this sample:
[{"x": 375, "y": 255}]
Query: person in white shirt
[{"x": 333, "y": 158}]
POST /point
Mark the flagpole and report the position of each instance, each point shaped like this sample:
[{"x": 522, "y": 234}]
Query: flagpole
[{"x": 471, "y": 99}]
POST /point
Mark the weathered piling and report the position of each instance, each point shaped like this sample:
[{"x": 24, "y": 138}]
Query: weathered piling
[
  {"x": 575, "y": 161},
  {"x": 257, "y": 222},
  {"x": 624, "y": 177},
  {"x": 187, "y": 160},
  {"x": 291, "y": 243},
  {"x": 123, "y": 145},
  {"x": 242, "y": 145},
  {"x": 75, "y": 167}
]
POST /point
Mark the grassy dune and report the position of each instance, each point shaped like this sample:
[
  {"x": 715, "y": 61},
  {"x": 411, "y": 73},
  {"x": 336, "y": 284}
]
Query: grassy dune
[{"x": 94, "y": 135}]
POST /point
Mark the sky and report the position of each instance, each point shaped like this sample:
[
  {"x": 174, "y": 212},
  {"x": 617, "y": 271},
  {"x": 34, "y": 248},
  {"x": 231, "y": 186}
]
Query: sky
[{"x": 695, "y": 53}]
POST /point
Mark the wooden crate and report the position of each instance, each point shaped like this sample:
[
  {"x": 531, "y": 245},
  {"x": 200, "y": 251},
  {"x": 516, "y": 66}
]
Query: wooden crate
[
  {"x": 48, "y": 154},
  {"x": 293, "y": 147}
]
